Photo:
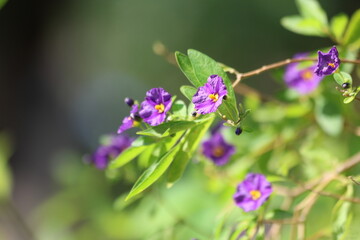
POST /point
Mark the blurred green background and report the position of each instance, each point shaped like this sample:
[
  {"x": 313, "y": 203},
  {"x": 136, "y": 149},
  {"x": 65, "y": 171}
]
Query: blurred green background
[{"x": 66, "y": 66}]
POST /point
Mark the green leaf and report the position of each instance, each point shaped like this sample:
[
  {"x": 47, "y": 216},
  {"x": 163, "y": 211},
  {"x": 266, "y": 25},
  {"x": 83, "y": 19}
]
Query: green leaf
[
  {"x": 328, "y": 115},
  {"x": 299, "y": 25},
  {"x": 311, "y": 9},
  {"x": 186, "y": 67},
  {"x": 349, "y": 99},
  {"x": 168, "y": 128},
  {"x": 190, "y": 144},
  {"x": 154, "y": 172},
  {"x": 137, "y": 147},
  {"x": 338, "y": 25},
  {"x": 279, "y": 214},
  {"x": 179, "y": 109},
  {"x": 342, "y": 77},
  {"x": 352, "y": 35},
  {"x": 188, "y": 91},
  {"x": 204, "y": 67},
  {"x": 5, "y": 173},
  {"x": 342, "y": 216},
  {"x": 2, "y": 3}
]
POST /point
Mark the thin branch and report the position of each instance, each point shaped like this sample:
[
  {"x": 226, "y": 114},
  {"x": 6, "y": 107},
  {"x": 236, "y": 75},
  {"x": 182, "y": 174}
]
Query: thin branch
[
  {"x": 354, "y": 181},
  {"x": 240, "y": 76}
]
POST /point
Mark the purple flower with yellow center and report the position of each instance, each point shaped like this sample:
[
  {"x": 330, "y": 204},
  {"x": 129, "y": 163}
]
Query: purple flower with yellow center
[
  {"x": 327, "y": 62},
  {"x": 105, "y": 153},
  {"x": 131, "y": 121},
  {"x": 155, "y": 106},
  {"x": 209, "y": 97},
  {"x": 217, "y": 149},
  {"x": 302, "y": 80},
  {"x": 252, "y": 192}
]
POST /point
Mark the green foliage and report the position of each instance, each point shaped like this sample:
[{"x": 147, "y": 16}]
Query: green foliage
[
  {"x": 338, "y": 26},
  {"x": 5, "y": 175},
  {"x": 352, "y": 35},
  {"x": 2, "y": 3},
  {"x": 342, "y": 77},
  {"x": 312, "y": 20}
]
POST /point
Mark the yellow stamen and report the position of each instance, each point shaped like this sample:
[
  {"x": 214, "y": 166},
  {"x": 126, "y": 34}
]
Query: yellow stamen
[
  {"x": 307, "y": 75},
  {"x": 331, "y": 65},
  {"x": 218, "y": 151},
  {"x": 255, "y": 194},
  {"x": 160, "y": 107},
  {"x": 214, "y": 97}
]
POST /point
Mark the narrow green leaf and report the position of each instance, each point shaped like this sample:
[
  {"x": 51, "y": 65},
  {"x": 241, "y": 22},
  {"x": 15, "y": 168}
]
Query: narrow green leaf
[
  {"x": 188, "y": 91},
  {"x": 311, "y": 9},
  {"x": 154, "y": 172},
  {"x": 352, "y": 35},
  {"x": 299, "y": 25},
  {"x": 338, "y": 25},
  {"x": 168, "y": 128},
  {"x": 186, "y": 67},
  {"x": 137, "y": 147},
  {"x": 190, "y": 144}
]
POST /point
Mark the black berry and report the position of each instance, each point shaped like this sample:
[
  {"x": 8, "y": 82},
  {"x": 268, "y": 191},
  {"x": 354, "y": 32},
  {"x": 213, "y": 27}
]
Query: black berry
[
  {"x": 238, "y": 131},
  {"x": 129, "y": 101}
]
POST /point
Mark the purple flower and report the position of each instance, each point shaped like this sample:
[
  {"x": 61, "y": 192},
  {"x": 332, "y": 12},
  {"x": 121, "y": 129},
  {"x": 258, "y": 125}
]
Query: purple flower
[
  {"x": 327, "y": 62},
  {"x": 252, "y": 192},
  {"x": 303, "y": 80},
  {"x": 155, "y": 106},
  {"x": 209, "y": 97},
  {"x": 130, "y": 121},
  {"x": 217, "y": 149},
  {"x": 106, "y": 153}
]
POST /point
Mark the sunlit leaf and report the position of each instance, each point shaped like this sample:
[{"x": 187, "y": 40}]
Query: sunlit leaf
[
  {"x": 137, "y": 147},
  {"x": 352, "y": 34},
  {"x": 189, "y": 145},
  {"x": 168, "y": 128},
  {"x": 311, "y": 9},
  {"x": 188, "y": 91},
  {"x": 338, "y": 25},
  {"x": 154, "y": 172},
  {"x": 299, "y": 25}
]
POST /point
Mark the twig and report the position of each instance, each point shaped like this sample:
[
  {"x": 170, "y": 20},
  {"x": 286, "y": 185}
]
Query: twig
[
  {"x": 240, "y": 76},
  {"x": 354, "y": 181}
]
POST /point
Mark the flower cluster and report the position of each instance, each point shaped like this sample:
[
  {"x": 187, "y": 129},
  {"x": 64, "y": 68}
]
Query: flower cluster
[
  {"x": 105, "y": 153},
  {"x": 302, "y": 80},
  {"x": 153, "y": 109},
  {"x": 216, "y": 149},
  {"x": 252, "y": 192},
  {"x": 327, "y": 62},
  {"x": 209, "y": 97}
]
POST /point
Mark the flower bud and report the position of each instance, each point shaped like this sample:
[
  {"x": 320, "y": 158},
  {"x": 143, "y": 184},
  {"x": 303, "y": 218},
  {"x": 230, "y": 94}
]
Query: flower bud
[{"x": 129, "y": 101}]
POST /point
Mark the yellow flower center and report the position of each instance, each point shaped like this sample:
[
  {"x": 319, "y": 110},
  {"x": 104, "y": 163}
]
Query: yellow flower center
[
  {"x": 255, "y": 194},
  {"x": 307, "y": 75},
  {"x": 160, "y": 107},
  {"x": 214, "y": 97},
  {"x": 331, "y": 65},
  {"x": 218, "y": 151}
]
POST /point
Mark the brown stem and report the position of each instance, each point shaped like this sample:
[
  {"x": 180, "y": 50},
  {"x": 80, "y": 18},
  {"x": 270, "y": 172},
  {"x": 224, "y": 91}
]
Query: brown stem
[{"x": 240, "y": 76}]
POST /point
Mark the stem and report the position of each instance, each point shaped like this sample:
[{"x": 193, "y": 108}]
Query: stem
[{"x": 240, "y": 76}]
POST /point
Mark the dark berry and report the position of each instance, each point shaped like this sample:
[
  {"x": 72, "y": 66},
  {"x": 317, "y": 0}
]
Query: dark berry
[
  {"x": 225, "y": 97},
  {"x": 129, "y": 101},
  {"x": 345, "y": 85},
  {"x": 238, "y": 131},
  {"x": 194, "y": 114}
]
